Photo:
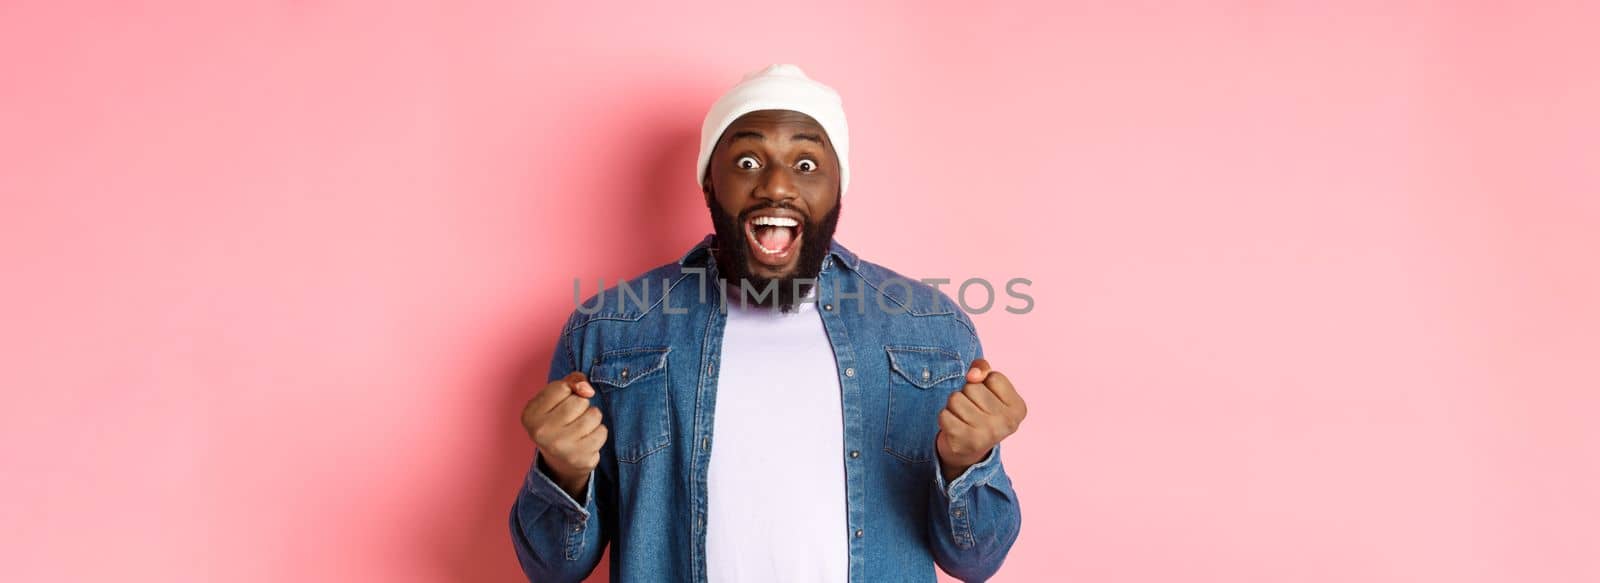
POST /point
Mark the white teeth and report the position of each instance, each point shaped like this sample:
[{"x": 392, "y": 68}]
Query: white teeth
[{"x": 775, "y": 222}]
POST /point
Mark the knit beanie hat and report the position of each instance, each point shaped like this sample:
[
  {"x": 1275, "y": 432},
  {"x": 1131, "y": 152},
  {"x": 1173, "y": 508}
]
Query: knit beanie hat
[{"x": 778, "y": 87}]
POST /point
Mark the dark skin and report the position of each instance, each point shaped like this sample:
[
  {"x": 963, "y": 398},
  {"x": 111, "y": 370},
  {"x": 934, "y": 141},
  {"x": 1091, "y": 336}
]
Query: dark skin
[{"x": 762, "y": 158}]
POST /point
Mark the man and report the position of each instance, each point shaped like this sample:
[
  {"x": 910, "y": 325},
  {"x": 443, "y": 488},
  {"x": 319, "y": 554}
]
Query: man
[{"x": 769, "y": 407}]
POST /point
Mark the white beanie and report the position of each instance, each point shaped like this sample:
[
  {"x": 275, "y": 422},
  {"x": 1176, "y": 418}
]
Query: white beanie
[{"x": 778, "y": 87}]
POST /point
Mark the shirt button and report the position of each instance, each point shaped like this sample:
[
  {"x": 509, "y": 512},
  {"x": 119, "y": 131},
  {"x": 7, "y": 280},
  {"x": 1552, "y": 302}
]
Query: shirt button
[
  {"x": 711, "y": 368},
  {"x": 860, "y": 533},
  {"x": 960, "y": 512},
  {"x": 624, "y": 373},
  {"x": 855, "y": 453},
  {"x": 925, "y": 374},
  {"x": 827, "y": 307},
  {"x": 850, "y": 372},
  {"x": 705, "y": 443},
  {"x": 577, "y": 527}
]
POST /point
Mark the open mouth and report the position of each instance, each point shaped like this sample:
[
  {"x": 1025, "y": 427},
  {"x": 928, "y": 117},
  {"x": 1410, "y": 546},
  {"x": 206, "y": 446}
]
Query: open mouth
[{"x": 774, "y": 237}]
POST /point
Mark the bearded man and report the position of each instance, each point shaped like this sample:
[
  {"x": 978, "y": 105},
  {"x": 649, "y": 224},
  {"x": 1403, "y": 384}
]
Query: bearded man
[{"x": 778, "y": 409}]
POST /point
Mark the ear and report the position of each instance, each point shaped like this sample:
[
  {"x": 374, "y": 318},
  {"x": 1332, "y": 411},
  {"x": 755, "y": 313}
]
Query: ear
[{"x": 705, "y": 188}]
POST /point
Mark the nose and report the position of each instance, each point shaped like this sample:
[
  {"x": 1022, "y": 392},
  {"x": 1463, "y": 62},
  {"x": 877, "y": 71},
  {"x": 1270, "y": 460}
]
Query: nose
[{"x": 777, "y": 184}]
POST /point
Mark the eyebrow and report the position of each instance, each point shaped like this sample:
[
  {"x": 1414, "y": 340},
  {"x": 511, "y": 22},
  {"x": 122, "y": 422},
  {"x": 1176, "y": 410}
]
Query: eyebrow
[{"x": 742, "y": 134}]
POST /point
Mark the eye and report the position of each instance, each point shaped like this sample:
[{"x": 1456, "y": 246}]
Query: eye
[
  {"x": 747, "y": 163},
  {"x": 806, "y": 166}
]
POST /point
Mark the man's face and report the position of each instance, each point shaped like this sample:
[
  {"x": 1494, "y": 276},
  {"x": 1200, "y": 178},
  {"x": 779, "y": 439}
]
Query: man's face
[{"x": 772, "y": 185}]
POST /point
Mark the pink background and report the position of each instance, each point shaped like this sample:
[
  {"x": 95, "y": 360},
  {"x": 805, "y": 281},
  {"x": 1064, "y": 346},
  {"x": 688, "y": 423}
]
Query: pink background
[{"x": 1316, "y": 282}]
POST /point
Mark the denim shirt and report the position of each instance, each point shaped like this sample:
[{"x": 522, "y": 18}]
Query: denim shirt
[{"x": 651, "y": 352}]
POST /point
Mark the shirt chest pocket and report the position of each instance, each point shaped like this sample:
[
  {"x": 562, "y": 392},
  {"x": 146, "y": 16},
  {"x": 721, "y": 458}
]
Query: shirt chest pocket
[
  {"x": 633, "y": 384},
  {"x": 920, "y": 382}
]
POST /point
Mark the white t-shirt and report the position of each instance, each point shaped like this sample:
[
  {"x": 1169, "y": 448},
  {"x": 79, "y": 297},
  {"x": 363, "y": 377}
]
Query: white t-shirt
[{"x": 776, "y": 485}]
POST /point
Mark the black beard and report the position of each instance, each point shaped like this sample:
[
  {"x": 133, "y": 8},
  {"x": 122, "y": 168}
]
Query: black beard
[{"x": 733, "y": 257}]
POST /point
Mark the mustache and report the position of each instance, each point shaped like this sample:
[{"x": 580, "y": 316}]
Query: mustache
[{"x": 744, "y": 215}]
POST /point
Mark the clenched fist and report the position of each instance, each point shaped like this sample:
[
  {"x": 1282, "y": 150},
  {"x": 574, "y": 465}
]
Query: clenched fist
[
  {"x": 567, "y": 431},
  {"x": 975, "y": 419}
]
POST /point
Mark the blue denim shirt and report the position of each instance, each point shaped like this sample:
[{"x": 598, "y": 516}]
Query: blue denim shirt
[{"x": 651, "y": 353}]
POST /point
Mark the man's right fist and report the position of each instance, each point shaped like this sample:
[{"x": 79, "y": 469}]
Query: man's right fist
[{"x": 567, "y": 430}]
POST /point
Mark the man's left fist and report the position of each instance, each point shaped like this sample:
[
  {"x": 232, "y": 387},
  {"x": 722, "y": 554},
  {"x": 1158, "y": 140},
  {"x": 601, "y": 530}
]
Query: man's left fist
[{"x": 976, "y": 418}]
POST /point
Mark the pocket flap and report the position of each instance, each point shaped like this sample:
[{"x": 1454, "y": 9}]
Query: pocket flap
[
  {"x": 620, "y": 368},
  {"x": 925, "y": 367}
]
